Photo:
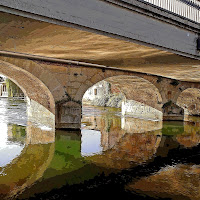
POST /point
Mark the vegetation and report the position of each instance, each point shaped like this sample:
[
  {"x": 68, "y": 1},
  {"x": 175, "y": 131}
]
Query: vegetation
[
  {"x": 13, "y": 89},
  {"x": 111, "y": 100},
  {"x": 115, "y": 100},
  {"x": 1, "y": 78},
  {"x": 18, "y": 133}
]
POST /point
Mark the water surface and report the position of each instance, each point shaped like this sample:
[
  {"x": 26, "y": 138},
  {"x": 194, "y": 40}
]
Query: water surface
[{"x": 111, "y": 156}]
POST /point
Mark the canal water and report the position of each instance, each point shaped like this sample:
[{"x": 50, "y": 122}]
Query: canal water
[{"x": 110, "y": 157}]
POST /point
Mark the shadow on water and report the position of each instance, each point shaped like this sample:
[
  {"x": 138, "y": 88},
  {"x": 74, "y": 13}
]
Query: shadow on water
[
  {"x": 126, "y": 160},
  {"x": 110, "y": 157},
  {"x": 25, "y": 149}
]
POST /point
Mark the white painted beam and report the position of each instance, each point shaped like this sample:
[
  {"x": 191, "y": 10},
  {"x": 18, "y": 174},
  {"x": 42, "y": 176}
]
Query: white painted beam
[{"x": 105, "y": 18}]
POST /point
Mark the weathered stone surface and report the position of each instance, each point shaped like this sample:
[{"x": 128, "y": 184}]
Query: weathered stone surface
[
  {"x": 39, "y": 116},
  {"x": 140, "y": 110},
  {"x": 172, "y": 112},
  {"x": 68, "y": 115},
  {"x": 189, "y": 100},
  {"x": 39, "y": 135},
  {"x": 32, "y": 87},
  {"x": 53, "y": 86},
  {"x": 135, "y": 125}
]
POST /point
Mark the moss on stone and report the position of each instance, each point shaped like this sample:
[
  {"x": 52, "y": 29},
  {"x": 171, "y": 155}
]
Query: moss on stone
[
  {"x": 13, "y": 89},
  {"x": 167, "y": 104}
]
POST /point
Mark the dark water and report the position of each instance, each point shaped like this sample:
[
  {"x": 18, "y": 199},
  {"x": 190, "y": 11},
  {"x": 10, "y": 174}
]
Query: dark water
[{"x": 110, "y": 157}]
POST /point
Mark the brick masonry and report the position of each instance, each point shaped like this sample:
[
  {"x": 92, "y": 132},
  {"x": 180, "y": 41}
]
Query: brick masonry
[{"x": 60, "y": 87}]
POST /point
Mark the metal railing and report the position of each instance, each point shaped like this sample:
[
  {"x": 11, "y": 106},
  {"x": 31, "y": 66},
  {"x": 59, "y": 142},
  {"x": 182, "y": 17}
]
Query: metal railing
[{"x": 189, "y": 9}]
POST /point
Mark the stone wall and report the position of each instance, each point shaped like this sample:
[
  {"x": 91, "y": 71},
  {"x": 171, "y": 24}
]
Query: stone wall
[
  {"x": 189, "y": 100},
  {"x": 135, "y": 125},
  {"x": 140, "y": 110},
  {"x": 58, "y": 86},
  {"x": 97, "y": 91},
  {"x": 39, "y": 135},
  {"x": 40, "y": 116}
]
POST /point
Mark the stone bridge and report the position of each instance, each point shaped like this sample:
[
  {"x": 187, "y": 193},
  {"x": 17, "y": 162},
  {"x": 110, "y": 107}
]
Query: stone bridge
[
  {"x": 55, "y": 53},
  {"x": 59, "y": 87}
]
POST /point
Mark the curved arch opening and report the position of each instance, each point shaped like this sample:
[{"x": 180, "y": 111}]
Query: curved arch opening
[
  {"x": 27, "y": 120},
  {"x": 117, "y": 106},
  {"x": 37, "y": 94},
  {"x": 13, "y": 120},
  {"x": 189, "y": 101},
  {"x": 27, "y": 111},
  {"x": 134, "y": 95}
]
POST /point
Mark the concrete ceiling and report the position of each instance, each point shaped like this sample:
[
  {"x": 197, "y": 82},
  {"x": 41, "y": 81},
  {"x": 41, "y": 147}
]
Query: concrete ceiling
[{"x": 29, "y": 36}]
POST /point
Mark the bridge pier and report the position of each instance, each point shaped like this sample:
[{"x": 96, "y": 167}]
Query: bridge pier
[
  {"x": 172, "y": 112},
  {"x": 60, "y": 87},
  {"x": 68, "y": 115}
]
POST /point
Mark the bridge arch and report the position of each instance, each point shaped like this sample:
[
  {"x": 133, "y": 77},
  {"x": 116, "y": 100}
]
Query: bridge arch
[
  {"x": 31, "y": 168},
  {"x": 126, "y": 83},
  {"x": 140, "y": 97},
  {"x": 41, "y": 105},
  {"x": 189, "y": 100},
  {"x": 67, "y": 84},
  {"x": 29, "y": 84}
]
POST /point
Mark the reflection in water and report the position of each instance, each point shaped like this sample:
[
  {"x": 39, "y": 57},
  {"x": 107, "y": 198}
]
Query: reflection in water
[
  {"x": 10, "y": 147},
  {"x": 133, "y": 157},
  {"x": 174, "y": 182},
  {"x": 38, "y": 135},
  {"x": 191, "y": 135},
  {"x": 91, "y": 142},
  {"x": 124, "y": 141},
  {"x": 177, "y": 180},
  {"x": 25, "y": 169},
  {"x": 24, "y": 149},
  {"x": 102, "y": 146}
]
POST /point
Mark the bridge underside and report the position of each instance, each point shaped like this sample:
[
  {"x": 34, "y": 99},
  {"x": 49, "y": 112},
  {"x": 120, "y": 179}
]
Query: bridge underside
[
  {"x": 67, "y": 82},
  {"x": 44, "y": 39},
  {"x": 128, "y": 20}
]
